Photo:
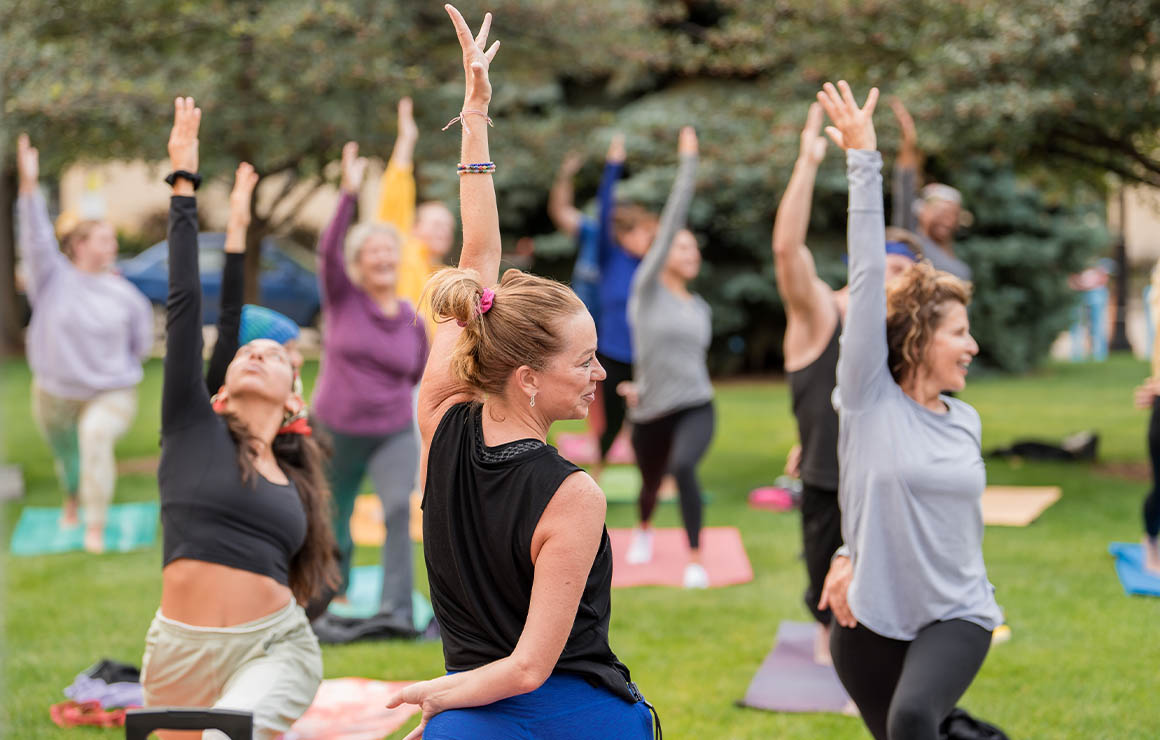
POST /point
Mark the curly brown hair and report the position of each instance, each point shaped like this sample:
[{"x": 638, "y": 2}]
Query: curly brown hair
[{"x": 916, "y": 303}]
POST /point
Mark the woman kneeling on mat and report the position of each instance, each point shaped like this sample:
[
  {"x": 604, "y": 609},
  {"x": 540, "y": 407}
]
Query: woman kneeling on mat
[
  {"x": 518, "y": 557},
  {"x": 244, "y": 508},
  {"x": 915, "y": 624},
  {"x": 671, "y": 397}
]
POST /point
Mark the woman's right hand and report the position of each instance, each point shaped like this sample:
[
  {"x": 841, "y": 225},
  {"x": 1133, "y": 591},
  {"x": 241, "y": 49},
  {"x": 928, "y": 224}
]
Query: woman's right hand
[
  {"x": 244, "y": 181},
  {"x": 834, "y": 590},
  {"x": 408, "y": 130},
  {"x": 617, "y": 152},
  {"x": 1145, "y": 393},
  {"x": 183, "y": 138},
  {"x": 476, "y": 62},
  {"x": 354, "y": 168},
  {"x": 813, "y": 145},
  {"x": 853, "y": 126},
  {"x": 27, "y": 164},
  {"x": 687, "y": 142}
]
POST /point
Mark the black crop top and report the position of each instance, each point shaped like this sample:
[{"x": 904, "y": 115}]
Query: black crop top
[
  {"x": 481, "y": 506},
  {"x": 207, "y": 512}
]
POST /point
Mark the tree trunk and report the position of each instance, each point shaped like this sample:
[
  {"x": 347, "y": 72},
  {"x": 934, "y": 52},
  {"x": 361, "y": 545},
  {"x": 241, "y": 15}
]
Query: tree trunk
[{"x": 11, "y": 335}]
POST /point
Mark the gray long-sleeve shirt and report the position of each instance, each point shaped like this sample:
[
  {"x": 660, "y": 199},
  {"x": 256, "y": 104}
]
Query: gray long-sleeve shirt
[
  {"x": 670, "y": 333},
  {"x": 911, "y": 479}
]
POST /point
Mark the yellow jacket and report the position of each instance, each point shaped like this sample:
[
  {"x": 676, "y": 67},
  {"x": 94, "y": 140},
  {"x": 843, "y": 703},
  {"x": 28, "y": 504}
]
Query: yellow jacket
[{"x": 397, "y": 207}]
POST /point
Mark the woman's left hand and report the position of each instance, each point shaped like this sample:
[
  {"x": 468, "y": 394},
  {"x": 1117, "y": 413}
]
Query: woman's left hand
[
  {"x": 687, "y": 141},
  {"x": 1145, "y": 393},
  {"x": 416, "y": 693},
  {"x": 476, "y": 61}
]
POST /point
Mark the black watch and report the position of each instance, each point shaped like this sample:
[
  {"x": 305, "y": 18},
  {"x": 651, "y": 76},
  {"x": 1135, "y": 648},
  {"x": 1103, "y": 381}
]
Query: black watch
[{"x": 193, "y": 177}]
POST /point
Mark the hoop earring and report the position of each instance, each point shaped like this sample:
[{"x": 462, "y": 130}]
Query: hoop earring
[{"x": 533, "y": 399}]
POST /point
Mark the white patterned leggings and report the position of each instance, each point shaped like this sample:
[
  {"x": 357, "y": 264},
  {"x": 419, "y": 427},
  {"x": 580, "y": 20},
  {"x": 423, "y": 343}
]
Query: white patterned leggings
[{"x": 81, "y": 434}]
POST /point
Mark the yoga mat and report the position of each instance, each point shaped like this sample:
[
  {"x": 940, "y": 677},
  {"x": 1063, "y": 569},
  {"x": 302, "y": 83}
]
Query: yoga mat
[
  {"x": 1016, "y": 506},
  {"x": 584, "y": 449},
  {"x": 621, "y": 485},
  {"x": 129, "y": 527},
  {"x": 790, "y": 681},
  {"x": 1134, "y": 577},
  {"x": 352, "y": 709},
  {"x": 721, "y": 548},
  {"x": 365, "y": 591},
  {"x": 366, "y": 524}
]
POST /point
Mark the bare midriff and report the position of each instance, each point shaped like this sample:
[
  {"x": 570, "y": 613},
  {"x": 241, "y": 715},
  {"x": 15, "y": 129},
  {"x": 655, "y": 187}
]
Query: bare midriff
[{"x": 211, "y": 595}]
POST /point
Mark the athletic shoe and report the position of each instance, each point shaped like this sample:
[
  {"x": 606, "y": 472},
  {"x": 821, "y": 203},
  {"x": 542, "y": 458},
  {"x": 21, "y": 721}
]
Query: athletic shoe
[
  {"x": 695, "y": 576},
  {"x": 640, "y": 551}
]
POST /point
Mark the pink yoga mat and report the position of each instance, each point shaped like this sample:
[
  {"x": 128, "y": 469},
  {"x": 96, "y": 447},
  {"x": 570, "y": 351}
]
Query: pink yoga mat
[
  {"x": 352, "y": 709},
  {"x": 724, "y": 558},
  {"x": 583, "y": 449}
]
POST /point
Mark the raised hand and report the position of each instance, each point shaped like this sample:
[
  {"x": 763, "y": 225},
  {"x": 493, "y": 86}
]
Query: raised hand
[
  {"x": 572, "y": 163},
  {"x": 407, "y": 128},
  {"x": 476, "y": 61},
  {"x": 28, "y": 164},
  {"x": 244, "y": 181},
  {"x": 616, "y": 151},
  {"x": 687, "y": 141},
  {"x": 813, "y": 145},
  {"x": 354, "y": 168},
  {"x": 853, "y": 126},
  {"x": 183, "y": 137},
  {"x": 908, "y": 153}
]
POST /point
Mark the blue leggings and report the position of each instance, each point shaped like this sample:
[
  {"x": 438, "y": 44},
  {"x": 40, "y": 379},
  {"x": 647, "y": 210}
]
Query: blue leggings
[{"x": 566, "y": 707}]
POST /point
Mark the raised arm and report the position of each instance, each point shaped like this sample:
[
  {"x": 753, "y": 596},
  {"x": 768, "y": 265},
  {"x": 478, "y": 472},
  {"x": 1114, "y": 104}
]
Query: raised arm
[
  {"x": 477, "y": 205},
  {"x": 606, "y": 194},
  {"x": 184, "y": 399},
  {"x": 233, "y": 278},
  {"x": 805, "y": 297},
  {"x": 38, "y": 248},
  {"x": 863, "y": 375},
  {"x": 674, "y": 216},
  {"x": 336, "y": 284},
  {"x": 904, "y": 183},
  {"x": 564, "y": 546},
  {"x": 561, "y": 199},
  {"x": 397, "y": 187}
]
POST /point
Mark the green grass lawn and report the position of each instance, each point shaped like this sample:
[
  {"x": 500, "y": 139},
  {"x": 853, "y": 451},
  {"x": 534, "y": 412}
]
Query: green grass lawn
[{"x": 1082, "y": 663}]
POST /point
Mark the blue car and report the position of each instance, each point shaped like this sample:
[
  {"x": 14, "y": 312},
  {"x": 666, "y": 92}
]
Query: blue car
[{"x": 288, "y": 282}]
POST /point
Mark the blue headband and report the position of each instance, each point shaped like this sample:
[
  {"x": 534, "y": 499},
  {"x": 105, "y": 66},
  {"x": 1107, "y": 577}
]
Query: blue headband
[
  {"x": 259, "y": 322},
  {"x": 898, "y": 248}
]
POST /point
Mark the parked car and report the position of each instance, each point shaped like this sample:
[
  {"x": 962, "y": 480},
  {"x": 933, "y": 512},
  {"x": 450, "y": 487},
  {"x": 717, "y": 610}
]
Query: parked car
[{"x": 288, "y": 281}]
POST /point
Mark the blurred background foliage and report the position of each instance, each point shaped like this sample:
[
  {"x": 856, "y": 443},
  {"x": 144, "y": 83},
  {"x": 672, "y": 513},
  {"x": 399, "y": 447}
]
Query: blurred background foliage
[{"x": 1027, "y": 107}]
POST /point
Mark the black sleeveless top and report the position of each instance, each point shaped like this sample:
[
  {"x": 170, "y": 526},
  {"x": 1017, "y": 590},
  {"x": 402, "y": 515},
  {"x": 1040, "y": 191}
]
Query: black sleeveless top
[
  {"x": 810, "y": 389},
  {"x": 480, "y": 507}
]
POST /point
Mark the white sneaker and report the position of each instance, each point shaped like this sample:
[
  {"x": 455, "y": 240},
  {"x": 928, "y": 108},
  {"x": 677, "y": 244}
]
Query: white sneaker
[
  {"x": 641, "y": 549},
  {"x": 695, "y": 576}
]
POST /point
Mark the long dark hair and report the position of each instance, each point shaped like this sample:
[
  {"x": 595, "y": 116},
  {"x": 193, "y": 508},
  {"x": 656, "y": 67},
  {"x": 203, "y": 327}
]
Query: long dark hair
[{"x": 313, "y": 568}]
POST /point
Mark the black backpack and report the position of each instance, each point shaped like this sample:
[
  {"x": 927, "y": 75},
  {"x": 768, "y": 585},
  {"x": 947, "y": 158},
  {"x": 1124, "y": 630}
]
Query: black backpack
[{"x": 961, "y": 726}]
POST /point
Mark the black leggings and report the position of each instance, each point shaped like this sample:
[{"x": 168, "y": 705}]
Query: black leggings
[
  {"x": 1152, "y": 503},
  {"x": 613, "y": 402},
  {"x": 821, "y": 537},
  {"x": 904, "y": 689},
  {"x": 674, "y": 443}
]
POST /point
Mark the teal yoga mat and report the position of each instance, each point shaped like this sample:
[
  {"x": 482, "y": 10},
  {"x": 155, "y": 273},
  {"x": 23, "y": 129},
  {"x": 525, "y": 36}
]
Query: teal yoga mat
[
  {"x": 364, "y": 592},
  {"x": 1134, "y": 577},
  {"x": 621, "y": 485},
  {"x": 129, "y": 527}
]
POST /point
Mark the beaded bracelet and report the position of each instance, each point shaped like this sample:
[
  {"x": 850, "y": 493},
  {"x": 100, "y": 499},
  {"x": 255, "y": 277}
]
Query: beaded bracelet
[{"x": 475, "y": 168}]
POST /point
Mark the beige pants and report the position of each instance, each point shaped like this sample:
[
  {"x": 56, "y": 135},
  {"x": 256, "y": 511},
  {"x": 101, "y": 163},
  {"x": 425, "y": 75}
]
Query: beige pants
[
  {"x": 271, "y": 667},
  {"x": 82, "y": 435}
]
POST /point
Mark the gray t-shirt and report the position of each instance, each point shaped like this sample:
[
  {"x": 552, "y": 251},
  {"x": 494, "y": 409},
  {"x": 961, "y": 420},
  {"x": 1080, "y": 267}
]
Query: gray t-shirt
[
  {"x": 905, "y": 188},
  {"x": 670, "y": 333},
  {"x": 911, "y": 479}
]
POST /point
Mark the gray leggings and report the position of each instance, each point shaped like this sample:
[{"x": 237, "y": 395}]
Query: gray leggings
[{"x": 392, "y": 461}]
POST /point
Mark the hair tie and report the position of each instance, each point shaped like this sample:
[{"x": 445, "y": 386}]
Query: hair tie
[{"x": 486, "y": 301}]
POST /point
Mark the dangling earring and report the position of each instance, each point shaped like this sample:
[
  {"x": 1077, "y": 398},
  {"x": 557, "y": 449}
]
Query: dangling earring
[{"x": 533, "y": 399}]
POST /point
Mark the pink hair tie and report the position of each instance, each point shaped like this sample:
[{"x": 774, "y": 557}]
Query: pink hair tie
[{"x": 486, "y": 301}]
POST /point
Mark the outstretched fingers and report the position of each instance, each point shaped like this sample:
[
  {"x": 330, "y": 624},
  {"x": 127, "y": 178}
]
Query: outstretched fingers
[
  {"x": 481, "y": 39},
  {"x": 461, "y": 29},
  {"x": 491, "y": 52}
]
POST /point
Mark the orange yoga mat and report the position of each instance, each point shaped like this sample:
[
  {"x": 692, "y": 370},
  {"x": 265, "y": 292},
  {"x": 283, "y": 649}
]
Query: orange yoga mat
[
  {"x": 352, "y": 709},
  {"x": 724, "y": 558},
  {"x": 366, "y": 524},
  {"x": 1017, "y": 506}
]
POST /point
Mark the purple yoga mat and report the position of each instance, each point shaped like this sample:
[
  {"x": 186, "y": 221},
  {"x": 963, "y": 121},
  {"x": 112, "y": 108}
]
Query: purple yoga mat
[{"x": 790, "y": 681}]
